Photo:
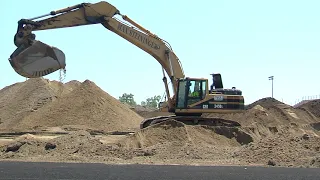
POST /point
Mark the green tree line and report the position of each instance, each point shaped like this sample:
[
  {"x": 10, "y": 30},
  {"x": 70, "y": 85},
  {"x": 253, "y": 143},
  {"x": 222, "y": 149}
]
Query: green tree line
[{"x": 151, "y": 102}]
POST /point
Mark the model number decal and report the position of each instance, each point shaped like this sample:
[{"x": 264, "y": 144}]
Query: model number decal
[
  {"x": 218, "y": 98},
  {"x": 218, "y": 106}
]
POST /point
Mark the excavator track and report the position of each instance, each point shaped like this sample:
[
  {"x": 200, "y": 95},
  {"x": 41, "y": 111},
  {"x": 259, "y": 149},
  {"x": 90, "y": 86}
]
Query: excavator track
[{"x": 190, "y": 120}]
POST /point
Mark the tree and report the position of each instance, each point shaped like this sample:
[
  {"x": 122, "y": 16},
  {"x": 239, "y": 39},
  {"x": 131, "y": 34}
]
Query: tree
[
  {"x": 128, "y": 99},
  {"x": 143, "y": 103},
  {"x": 151, "y": 102}
]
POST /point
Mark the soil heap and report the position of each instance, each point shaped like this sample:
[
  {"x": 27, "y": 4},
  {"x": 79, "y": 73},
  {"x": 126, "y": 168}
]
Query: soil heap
[
  {"x": 265, "y": 102},
  {"x": 313, "y": 106},
  {"x": 268, "y": 116},
  {"x": 172, "y": 140},
  {"x": 87, "y": 106},
  {"x": 283, "y": 149},
  {"x": 24, "y": 98},
  {"x": 76, "y": 146},
  {"x": 169, "y": 141}
]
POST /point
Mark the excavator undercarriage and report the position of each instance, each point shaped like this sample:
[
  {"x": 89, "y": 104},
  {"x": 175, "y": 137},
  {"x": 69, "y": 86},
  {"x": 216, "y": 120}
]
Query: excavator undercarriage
[{"x": 190, "y": 120}]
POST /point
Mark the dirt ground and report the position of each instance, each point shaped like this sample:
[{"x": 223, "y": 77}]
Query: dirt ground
[{"x": 43, "y": 120}]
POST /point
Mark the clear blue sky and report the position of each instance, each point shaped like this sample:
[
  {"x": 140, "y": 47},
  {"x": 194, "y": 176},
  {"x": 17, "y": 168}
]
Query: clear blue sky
[{"x": 246, "y": 41}]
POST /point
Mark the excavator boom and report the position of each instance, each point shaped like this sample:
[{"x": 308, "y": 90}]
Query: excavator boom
[
  {"x": 33, "y": 59},
  {"x": 101, "y": 13}
]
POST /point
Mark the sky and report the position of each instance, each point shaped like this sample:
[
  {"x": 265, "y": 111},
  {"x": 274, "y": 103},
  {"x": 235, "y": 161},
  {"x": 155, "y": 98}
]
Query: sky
[{"x": 246, "y": 41}]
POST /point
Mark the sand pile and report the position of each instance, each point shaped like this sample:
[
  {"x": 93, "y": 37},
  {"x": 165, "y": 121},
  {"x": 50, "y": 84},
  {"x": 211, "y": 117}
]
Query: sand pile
[
  {"x": 268, "y": 116},
  {"x": 265, "y": 102},
  {"x": 87, "y": 105},
  {"x": 76, "y": 146},
  {"x": 24, "y": 98},
  {"x": 282, "y": 114},
  {"x": 166, "y": 141},
  {"x": 71, "y": 85},
  {"x": 282, "y": 149},
  {"x": 288, "y": 112},
  {"x": 313, "y": 107},
  {"x": 170, "y": 131},
  {"x": 271, "y": 133},
  {"x": 173, "y": 140}
]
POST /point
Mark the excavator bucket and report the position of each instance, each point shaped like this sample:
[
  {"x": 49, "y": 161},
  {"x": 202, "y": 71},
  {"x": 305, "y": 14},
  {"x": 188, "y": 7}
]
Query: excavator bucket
[{"x": 37, "y": 60}]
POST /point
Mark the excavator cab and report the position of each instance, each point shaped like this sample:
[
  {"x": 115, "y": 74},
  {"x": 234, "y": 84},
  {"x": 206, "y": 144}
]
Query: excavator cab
[
  {"x": 195, "y": 98},
  {"x": 190, "y": 91}
]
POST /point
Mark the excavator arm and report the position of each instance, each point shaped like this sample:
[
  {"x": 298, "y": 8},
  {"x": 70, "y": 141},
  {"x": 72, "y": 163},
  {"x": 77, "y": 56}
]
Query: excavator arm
[{"x": 34, "y": 59}]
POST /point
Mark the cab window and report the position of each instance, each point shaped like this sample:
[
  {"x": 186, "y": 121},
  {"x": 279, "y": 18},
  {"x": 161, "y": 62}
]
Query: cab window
[{"x": 195, "y": 89}]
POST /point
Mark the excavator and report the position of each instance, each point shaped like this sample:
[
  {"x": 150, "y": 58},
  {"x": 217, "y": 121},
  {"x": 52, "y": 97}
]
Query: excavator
[{"x": 192, "y": 97}]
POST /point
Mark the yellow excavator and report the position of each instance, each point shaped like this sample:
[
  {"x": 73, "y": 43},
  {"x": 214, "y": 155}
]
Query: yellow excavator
[{"x": 191, "y": 96}]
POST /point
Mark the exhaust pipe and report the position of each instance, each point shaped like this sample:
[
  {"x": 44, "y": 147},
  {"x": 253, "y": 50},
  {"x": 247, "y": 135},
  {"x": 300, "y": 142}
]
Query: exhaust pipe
[{"x": 37, "y": 60}]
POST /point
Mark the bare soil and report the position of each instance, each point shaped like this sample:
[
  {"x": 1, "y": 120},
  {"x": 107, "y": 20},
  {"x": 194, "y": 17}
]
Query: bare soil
[
  {"x": 271, "y": 134},
  {"x": 283, "y": 150},
  {"x": 86, "y": 105},
  {"x": 312, "y": 106},
  {"x": 24, "y": 98}
]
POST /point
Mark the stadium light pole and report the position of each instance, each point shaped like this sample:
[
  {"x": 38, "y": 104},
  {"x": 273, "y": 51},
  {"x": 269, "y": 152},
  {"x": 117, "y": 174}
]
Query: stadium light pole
[{"x": 271, "y": 78}]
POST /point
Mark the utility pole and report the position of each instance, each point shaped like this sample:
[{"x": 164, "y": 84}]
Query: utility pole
[{"x": 271, "y": 78}]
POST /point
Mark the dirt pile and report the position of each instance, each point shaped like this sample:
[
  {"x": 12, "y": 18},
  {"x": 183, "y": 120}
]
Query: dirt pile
[
  {"x": 77, "y": 146},
  {"x": 71, "y": 85},
  {"x": 87, "y": 105},
  {"x": 267, "y": 116},
  {"x": 265, "y": 102},
  {"x": 24, "y": 98},
  {"x": 280, "y": 114},
  {"x": 272, "y": 132},
  {"x": 283, "y": 150},
  {"x": 172, "y": 140},
  {"x": 166, "y": 141},
  {"x": 312, "y": 106}
]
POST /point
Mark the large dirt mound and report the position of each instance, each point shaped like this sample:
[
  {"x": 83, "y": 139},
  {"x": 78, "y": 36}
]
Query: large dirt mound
[
  {"x": 266, "y": 111},
  {"x": 86, "y": 105},
  {"x": 268, "y": 116},
  {"x": 22, "y": 99},
  {"x": 284, "y": 113},
  {"x": 312, "y": 106}
]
